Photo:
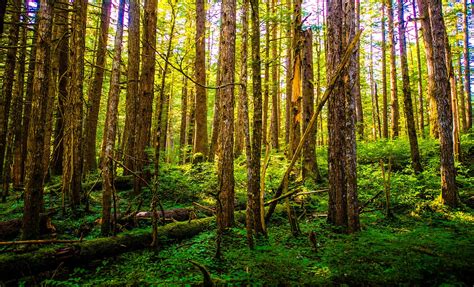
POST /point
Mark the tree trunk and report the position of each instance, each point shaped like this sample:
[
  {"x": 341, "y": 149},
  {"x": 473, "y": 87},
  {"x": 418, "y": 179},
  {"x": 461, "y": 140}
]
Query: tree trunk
[
  {"x": 359, "y": 112},
  {"x": 147, "y": 81},
  {"x": 407, "y": 101},
  {"x": 296, "y": 113},
  {"x": 63, "y": 83},
  {"x": 110, "y": 127},
  {"x": 8, "y": 77},
  {"x": 34, "y": 161},
  {"x": 225, "y": 206},
  {"x": 384, "y": 79},
  {"x": 310, "y": 167},
  {"x": 266, "y": 91},
  {"x": 442, "y": 95},
  {"x": 343, "y": 205},
  {"x": 183, "y": 126},
  {"x": 72, "y": 143},
  {"x": 393, "y": 72},
  {"x": 420, "y": 77},
  {"x": 191, "y": 125},
  {"x": 95, "y": 91},
  {"x": 274, "y": 131},
  {"x": 289, "y": 76},
  {"x": 200, "y": 141},
  {"x": 133, "y": 76}
]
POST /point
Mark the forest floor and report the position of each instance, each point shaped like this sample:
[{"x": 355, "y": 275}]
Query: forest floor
[{"x": 423, "y": 243}]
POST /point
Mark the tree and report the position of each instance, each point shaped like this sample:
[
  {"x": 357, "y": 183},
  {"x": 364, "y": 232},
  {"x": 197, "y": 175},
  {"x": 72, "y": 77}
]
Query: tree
[
  {"x": 225, "y": 205},
  {"x": 384, "y": 78},
  {"x": 407, "y": 101},
  {"x": 34, "y": 161},
  {"x": 467, "y": 70},
  {"x": 356, "y": 74},
  {"x": 72, "y": 143},
  {"x": 343, "y": 204},
  {"x": 108, "y": 143},
  {"x": 393, "y": 72},
  {"x": 420, "y": 78},
  {"x": 200, "y": 141},
  {"x": 95, "y": 91},
  {"x": 289, "y": 76},
  {"x": 274, "y": 123},
  {"x": 296, "y": 113},
  {"x": 441, "y": 90}
]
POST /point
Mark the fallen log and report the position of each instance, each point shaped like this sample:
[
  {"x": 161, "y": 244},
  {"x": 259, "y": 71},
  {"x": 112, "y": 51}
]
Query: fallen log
[
  {"x": 121, "y": 183},
  {"x": 14, "y": 266},
  {"x": 32, "y": 242}
]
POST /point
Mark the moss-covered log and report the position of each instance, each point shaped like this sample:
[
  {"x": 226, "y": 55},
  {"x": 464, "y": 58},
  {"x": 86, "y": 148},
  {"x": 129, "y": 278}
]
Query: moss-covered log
[{"x": 14, "y": 266}]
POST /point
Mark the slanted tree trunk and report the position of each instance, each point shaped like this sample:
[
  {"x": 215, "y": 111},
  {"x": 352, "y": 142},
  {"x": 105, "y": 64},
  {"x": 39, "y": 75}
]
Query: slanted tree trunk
[
  {"x": 8, "y": 77},
  {"x": 310, "y": 166},
  {"x": 34, "y": 160},
  {"x": 72, "y": 143},
  {"x": 201, "y": 138},
  {"x": 393, "y": 72},
  {"x": 147, "y": 81},
  {"x": 343, "y": 204},
  {"x": 133, "y": 75},
  {"x": 95, "y": 91},
  {"x": 110, "y": 129},
  {"x": 407, "y": 101},
  {"x": 225, "y": 205}
]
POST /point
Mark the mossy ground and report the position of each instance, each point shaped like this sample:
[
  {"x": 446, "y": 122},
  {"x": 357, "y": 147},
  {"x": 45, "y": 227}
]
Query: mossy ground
[{"x": 424, "y": 243}]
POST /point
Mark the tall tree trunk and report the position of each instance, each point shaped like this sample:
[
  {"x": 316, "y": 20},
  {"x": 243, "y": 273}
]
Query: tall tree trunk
[
  {"x": 34, "y": 162},
  {"x": 356, "y": 88},
  {"x": 289, "y": 76},
  {"x": 110, "y": 127},
  {"x": 296, "y": 113},
  {"x": 310, "y": 167},
  {"x": 407, "y": 101},
  {"x": 428, "y": 43},
  {"x": 95, "y": 91},
  {"x": 441, "y": 91},
  {"x": 72, "y": 159},
  {"x": 225, "y": 206},
  {"x": 462, "y": 105},
  {"x": 266, "y": 91},
  {"x": 384, "y": 78},
  {"x": 133, "y": 76},
  {"x": 63, "y": 83},
  {"x": 256, "y": 200},
  {"x": 147, "y": 81},
  {"x": 274, "y": 131},
  {"x": 393, "y": 72},
  {"x": 376, "y": 127},
  {"x": 343, "y": 204},
  {"x": 191, "y": 124},
  {"x": 420, "y": 78},
  {"x": 467, "y": 70},
  {"x": 200, "y": 140},
  {"x": 183, "y": 126},
  {"x": 8, "y": 77}
]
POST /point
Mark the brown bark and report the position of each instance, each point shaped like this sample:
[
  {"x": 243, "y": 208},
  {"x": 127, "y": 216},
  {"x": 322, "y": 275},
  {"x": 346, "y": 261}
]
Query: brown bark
[
  {"x": 310, "y": 167},
  {"x": 34, "y": 161},
  {"x": 407, "y": 101},
  {"x": 72, "y": 158},
  {"x": 289, "y": 76},
  {"x": 274, "y": 131},
  {"x": 63, "y": 83},
  {"x": 384, "y": 79},
  {"x": 133, "y": 75},
  {"x": 421, "y": 121},
  {"x": 183, "y": 126},
  {"x": 225, "y": 206},
  {"x": 110, "y": 129},
  {"x": 266, "y": 85},
  {"x": 295, "y": 107},
  {"x": 8, "y": 78},
  {"x": 191, "y": 124},
  {"x": 147, "y": 80},
  {"x": 442, "y": 95},
  {"x": 95, "y": 91},
  {"x": 359, "y": 112},
  {"x": 376, "y": 127},
  {"x": 462, "y": 105},
  {"x": 200, "y": 141},
  {"x": 343, "y": 204},
  {"x": 393, "y": 72}
]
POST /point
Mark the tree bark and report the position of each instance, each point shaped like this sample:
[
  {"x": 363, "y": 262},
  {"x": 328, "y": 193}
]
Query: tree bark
[
  {"x": 110, "y": 127},
  {"x": 34, "y": 161},
  {"x": 289, "y": 76},
  {"x": 420, "y": 78},
  {"x": 393, "y": 72},
  {"x": 95, "y": 91},
  {"x": 201, "y": 137},
  {"x": 225, "y": 206},
  {"x": 467, "y": 70},
  {"x": 274, "y": 131},
  {"x": 359, "y": 112},
  {"x": 296, "y": 113},
  {"x": 407, "y": 101},
  {"x": 384, "y": 78},
  {"x": 133, "y": 76}
]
